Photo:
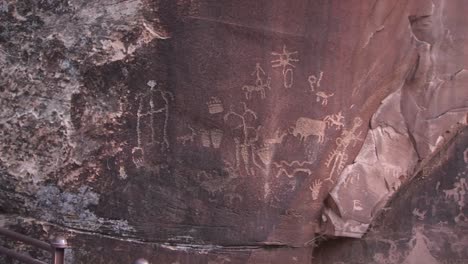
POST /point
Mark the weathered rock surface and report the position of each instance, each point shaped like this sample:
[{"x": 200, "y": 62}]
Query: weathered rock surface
[{"x": 227, "y": 132}]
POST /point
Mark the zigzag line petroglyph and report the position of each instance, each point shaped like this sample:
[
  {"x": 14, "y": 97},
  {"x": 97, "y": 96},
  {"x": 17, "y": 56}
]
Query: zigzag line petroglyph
[
  {"x": 284, "y": 166},
  {"x": 292, "y": 163},
  {"x": 291, "y": 174}
]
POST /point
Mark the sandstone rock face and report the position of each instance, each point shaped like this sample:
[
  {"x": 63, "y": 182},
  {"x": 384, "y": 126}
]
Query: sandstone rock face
[{"x": 233, "y": 132}]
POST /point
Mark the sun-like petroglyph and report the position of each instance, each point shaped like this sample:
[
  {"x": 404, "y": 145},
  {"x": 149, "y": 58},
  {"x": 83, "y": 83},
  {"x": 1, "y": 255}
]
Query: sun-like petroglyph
[
  {"x": 166, "y": 96},
  {"x": 285, "y": 60},
  {"x": 315, "y": 189},
  {"x": 243, "y": 145},
  {"x": 188, "y": 137},
  {"x": 338, "y": 158},
  {"x": 215, "y": 106},
  {"x": 305, "y": 127},
  {"x": 314, "y": 82},
  {"x": 322, "y": 96},
  {"x": 291, "y": 168},
  {"x": 335, "y": 120}
]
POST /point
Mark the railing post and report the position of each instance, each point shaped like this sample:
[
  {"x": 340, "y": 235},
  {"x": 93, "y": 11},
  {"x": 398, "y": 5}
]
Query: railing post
[
  {"x": 141, "y": 261},
  {"x": 59, "y": 244}
]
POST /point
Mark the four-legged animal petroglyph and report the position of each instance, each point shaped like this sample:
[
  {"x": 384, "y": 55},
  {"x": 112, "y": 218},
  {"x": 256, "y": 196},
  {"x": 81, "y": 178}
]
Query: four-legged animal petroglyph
[
  {"x": 249, "y": 89},
  {"x": 338, "y": 158},
  {"x": 314, "y": 82},
  {"x": 324, "y": 97},
  {"x": 334, "y": 120},
  {"x": 285, "y": 60},
  {"x": 306, "y": 127},
  {"x": 189, "y": 137}
]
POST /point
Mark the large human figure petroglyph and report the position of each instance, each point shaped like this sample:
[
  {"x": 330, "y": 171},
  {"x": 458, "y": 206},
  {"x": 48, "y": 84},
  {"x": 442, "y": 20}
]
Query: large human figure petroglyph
[
  {"x": 138, "y": 151},
  {"x": 285, "y": 60},
  {"x": 249, "y": 135}
]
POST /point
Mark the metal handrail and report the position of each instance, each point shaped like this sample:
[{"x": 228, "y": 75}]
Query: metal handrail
[{"x": 56, "y": 247}]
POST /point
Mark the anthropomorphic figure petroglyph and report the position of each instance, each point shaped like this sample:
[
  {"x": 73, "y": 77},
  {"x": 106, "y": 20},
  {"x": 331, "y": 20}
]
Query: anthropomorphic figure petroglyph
[
  {"x": 138, "y": 151},
  {"x": 338, "y": 158},
  {"x": 258, "y": 72},
  {"x": 243, "y": 146},
  {"x": 314, "y": 82},
  {"x": 323, "y": 97},
  {"x": 285, "y": 60},
  {"x": 166, "y": 97}
]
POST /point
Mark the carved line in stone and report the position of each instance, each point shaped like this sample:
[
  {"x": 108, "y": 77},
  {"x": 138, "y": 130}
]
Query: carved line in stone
[{"x": 284, "y": 166}]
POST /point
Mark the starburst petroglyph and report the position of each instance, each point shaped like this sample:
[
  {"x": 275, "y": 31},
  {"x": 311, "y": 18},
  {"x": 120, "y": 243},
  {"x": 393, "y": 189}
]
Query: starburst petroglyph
[{"x": 285, "y": 60}]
